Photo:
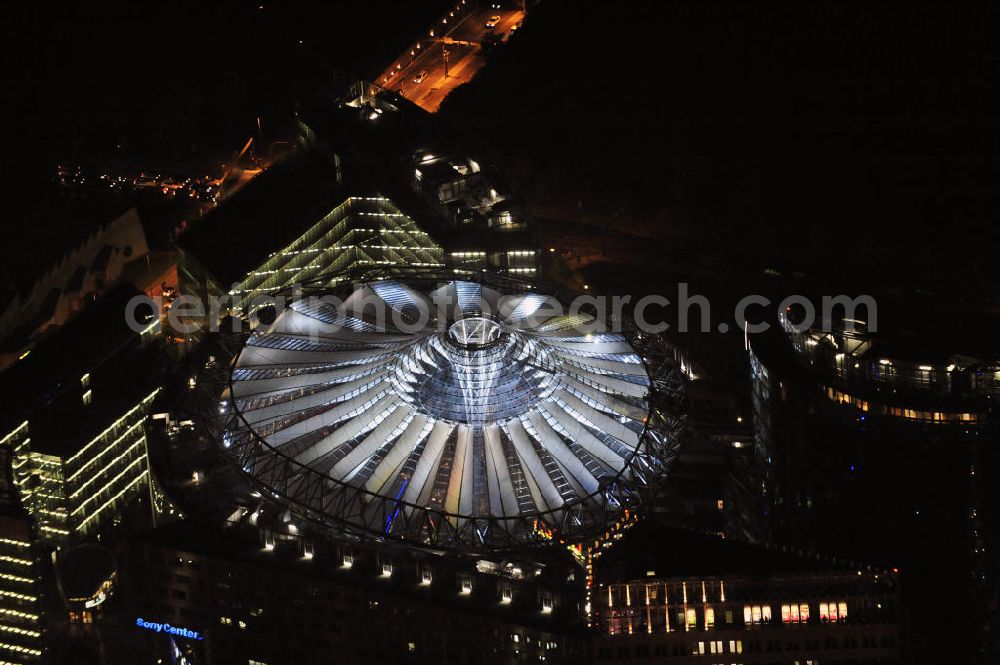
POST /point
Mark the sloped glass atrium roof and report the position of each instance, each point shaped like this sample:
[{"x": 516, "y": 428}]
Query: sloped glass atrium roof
[{"x": 456, "y": 418}]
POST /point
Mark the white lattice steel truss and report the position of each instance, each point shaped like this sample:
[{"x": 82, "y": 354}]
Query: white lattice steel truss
[{"x": 460, "y": 418}]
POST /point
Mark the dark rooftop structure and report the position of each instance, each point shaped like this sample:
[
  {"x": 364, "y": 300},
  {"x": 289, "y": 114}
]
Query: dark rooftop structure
[
  {"x": 77, "y": 217},
  {"x": 381, "y": 154},
  {"x": 667, "y": 551},
  {"x": 83, "y": 569},
  {"x": 268, "y": 213},
  {"x": 46, "y": 386}
]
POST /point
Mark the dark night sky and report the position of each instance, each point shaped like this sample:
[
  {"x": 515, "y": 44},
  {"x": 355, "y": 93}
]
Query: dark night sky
[
  {"x": 859, "y": 132},
  {"x": 172, "y": 80},
  {"x": 799, "y": 133},
  {"x": 163, "y": 83}
]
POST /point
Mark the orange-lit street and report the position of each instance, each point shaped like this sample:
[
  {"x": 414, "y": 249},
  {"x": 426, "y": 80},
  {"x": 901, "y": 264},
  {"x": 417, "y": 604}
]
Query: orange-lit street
[{"x": 450, "y": 54}]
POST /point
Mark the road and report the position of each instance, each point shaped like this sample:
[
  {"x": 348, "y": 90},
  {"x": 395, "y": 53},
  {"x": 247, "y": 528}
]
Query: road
[{"x": 461, "y": 40}]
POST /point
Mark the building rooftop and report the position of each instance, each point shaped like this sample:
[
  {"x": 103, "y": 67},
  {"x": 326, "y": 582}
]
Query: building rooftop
[
  {"x": 46, "y": 387},
  {"x": 51, "y": 229},
  {"x": 493, "y": 421},
  {"x": 383, "y": 154},
  {"x": 239, "y": 548},
  {"x": 665, "y": 551},
  {"x": 266, "y": 215}
]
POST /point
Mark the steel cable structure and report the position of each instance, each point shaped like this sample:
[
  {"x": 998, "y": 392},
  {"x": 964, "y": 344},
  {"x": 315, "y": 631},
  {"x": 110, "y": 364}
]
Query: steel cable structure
[{"x": 457, "y": 417}]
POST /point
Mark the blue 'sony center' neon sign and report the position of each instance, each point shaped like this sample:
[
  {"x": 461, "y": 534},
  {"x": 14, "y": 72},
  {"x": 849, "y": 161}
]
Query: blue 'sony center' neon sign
[{"x": 168, "y": 629}]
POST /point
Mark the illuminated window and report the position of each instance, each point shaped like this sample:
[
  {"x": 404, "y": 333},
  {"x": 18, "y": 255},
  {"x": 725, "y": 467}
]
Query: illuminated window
[
  {"x": 755, "y": 614},
  {"x": 348, "y": 559},
  {"x": 426, "y": 576},
  {"x": 85, "y": 380},
  {"x": 795, "y": 613},
  {"x": 735, "y": 646},
  {"x": 506, "y": 594},
  {"x": 692, "y": 619},
  {"x": 386, "y": 569},
  {"x": 832, "y": 611},
  {"x": 466, "y": 583},
  {"x": 709, "y": 617},
  {"x": 88, "y": 397},
  {"x": 546, "y": 601}
]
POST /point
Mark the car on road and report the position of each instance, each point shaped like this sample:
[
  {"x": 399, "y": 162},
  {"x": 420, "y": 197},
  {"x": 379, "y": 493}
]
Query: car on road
[
  {"x": 492, "y": 23},
  {"x": 419, "y": 78}
]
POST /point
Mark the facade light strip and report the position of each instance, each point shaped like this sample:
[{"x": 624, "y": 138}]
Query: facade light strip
[
  {"x": 12, "y": 559},
  {"x": 18, "y": 614},
  {"x": 17, "y": 630},
  {"x": 20, "y": 649},
  {"x": 16, "y": 578},
  {"x": 18, "y": 596},
  {"x": 113, "y": 499},
  {"x": 108, "y": 484},
  {"x": 110, "y": 464},
  {"x": 145, "y": 402},
  {"x": 11, "y": 435}
]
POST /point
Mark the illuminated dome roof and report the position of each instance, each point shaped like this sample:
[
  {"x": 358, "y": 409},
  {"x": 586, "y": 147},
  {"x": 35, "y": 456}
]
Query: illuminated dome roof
[{"x": 463, "y": 418}]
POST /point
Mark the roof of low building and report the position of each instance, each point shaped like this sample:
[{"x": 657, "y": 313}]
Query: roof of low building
[{"x": 667, "y": 551}]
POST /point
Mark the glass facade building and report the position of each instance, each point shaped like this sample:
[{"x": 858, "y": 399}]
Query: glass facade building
[
  {"x": 21, "y": 629},
  {"x": 78, "y": 493},
  {"x": 20, "y": 623},
  {"x": 362, "y": 234}
]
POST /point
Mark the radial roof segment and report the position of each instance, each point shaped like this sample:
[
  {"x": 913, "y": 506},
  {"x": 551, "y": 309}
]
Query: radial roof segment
[{"x": 461, "y": 417}]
